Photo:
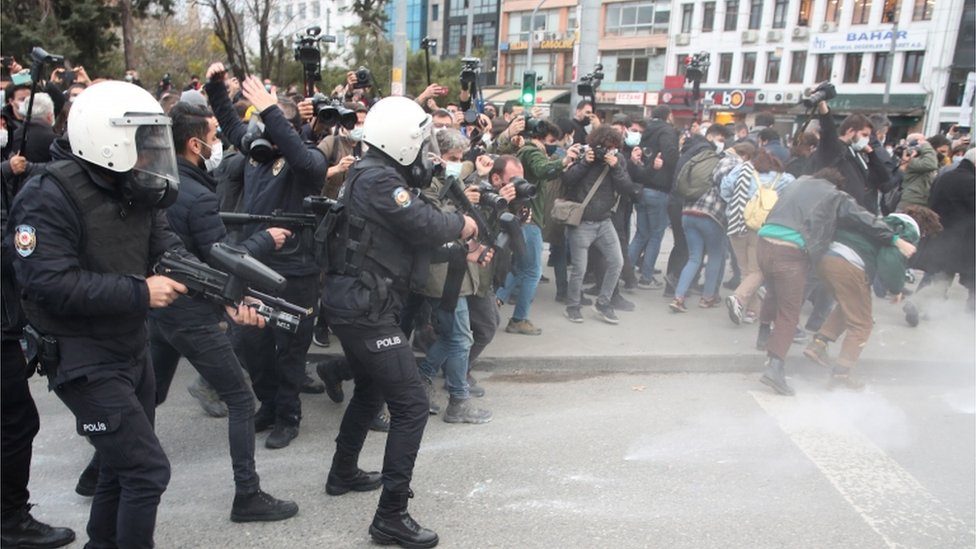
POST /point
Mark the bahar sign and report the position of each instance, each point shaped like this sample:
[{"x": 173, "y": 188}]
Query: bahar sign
[{"x": 868, "y": 40}]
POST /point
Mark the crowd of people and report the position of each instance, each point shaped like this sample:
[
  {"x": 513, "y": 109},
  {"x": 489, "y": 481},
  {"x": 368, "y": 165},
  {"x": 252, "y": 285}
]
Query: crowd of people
[{"x": 446, "y": 215}]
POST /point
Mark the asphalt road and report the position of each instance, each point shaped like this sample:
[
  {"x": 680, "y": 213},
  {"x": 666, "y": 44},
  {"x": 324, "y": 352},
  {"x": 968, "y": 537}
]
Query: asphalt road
[{"x": 612, "y": 461}]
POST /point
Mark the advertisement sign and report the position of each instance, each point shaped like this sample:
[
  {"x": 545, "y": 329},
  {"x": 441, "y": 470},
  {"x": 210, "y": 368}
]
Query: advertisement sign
[
  {"x": 630, "y": 98},
  {"x": 868, "y": 40},
  {"x": 718, "y": 99}
]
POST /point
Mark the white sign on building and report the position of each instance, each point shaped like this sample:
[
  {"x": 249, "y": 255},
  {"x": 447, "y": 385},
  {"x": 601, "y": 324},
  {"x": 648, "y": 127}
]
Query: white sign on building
[{"x": 868, "y": 40}]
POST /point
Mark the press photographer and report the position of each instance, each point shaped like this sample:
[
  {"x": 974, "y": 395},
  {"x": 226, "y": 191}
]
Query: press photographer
[
  {"x": 848, "y": 150},
  {"x": 594, "y": 184},
  {"x": 281, "y": 172}
]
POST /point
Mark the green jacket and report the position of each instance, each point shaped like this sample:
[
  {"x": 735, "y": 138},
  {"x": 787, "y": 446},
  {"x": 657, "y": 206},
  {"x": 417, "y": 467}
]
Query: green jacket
[
  {"x": 919, "y": 176},
  {"x": 438, "y": 271},
  {"x": 538, "y": 170},
  {"x": 884, "y": 261}
]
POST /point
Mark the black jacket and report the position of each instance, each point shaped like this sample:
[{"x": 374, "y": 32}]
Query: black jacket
[
  {"x": 52, "y": 275},
  {"x": 280, "y": 184},
  {"x": 40, "y": 136},
  {"x": 582, "y": 176},
  {"x": 816, "y": 209},
  {"x": 658, "y": 137},
  {"x": 953, "y": 197},
  {"x": 865, "y": 175},
  {"x": 195, "y": 219}
]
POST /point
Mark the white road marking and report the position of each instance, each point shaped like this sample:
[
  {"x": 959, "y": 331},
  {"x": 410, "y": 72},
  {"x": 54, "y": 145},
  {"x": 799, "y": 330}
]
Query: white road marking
[{"x": 889, "y": 499}]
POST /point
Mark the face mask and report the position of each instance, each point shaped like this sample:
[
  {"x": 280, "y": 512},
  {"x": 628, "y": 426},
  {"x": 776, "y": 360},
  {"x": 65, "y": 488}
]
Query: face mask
[
  {"x": 22, "y": 109},
  {"x": 941, "y": 158},
  {"x": 356, "y": 134},
  {"x": 955, "y": 159},
  {"x": 860, "y": 144},
  {"x": 452, "y": 169},
  {"x": 703, "y": 130},
  {"x": 3, "y": 138},
  {"x": 216, "y": 155},
  {"x": 551, "y": 149},
  {"x": 632, "y": 139},
  {"x": 486, "y": 139},
  {"x": 719, "y": 146}
]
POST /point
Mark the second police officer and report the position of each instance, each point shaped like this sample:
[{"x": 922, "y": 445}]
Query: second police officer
[{"x": 379, "y": 249}]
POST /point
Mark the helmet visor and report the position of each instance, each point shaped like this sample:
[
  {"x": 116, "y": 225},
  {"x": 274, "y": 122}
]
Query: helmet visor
[
  {"x": 155, "y": 154},
  {"x": 154, "y": 146}
]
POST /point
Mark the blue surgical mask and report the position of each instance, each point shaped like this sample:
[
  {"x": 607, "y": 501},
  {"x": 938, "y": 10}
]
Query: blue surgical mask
[
  {"x": 356, "y": 134},
  {"x": 632, "y": 139},
  {"x": 452, "y": 169},
  {"x": 551, "y": 149}
]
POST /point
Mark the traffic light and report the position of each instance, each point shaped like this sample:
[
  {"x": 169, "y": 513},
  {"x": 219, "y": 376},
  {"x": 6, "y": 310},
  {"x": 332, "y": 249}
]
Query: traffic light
[{"x": 528, "y": 89}]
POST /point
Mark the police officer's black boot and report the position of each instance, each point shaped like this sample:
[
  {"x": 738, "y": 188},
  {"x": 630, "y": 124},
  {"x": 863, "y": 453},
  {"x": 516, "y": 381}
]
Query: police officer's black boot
[
  {"x": 346, "y": 476},
  {"x": 261, "y": 507},
  {"x": 775, "y": 376},
  {"x": 392, "y": 524},
  {"x": 88, "y": 479},
  {"x": 20, "y": 529}
]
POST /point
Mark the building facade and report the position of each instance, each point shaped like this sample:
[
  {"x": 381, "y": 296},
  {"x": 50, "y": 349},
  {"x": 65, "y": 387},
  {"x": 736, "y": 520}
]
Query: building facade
[
  {"x": 765, "y": 53},
  {"x": 416, "y": 22},
  {"x": 289, "y": 17}
]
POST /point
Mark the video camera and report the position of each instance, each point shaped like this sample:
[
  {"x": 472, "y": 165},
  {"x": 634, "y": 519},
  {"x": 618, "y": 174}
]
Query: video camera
[
  {"x": 589, "y": 83},
  {"x": 330, "y": 112},
  {"x": 307, "y": 52},
  {"x": 825, "y": 91},
  {"x": 470, "y": 67}
]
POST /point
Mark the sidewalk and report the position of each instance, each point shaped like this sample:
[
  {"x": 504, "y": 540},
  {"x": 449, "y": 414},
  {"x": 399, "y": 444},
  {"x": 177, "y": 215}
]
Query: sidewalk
[{"x": 653, "y": 339}]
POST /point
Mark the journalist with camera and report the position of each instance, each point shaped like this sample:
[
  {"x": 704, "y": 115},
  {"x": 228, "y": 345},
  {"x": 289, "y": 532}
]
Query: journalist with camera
[
  {"x": 847, "y": 148},
  {"x": 596, "y": 182},
  {"x": 281, "y": 171},
  {"x": 378, "y": 248}
]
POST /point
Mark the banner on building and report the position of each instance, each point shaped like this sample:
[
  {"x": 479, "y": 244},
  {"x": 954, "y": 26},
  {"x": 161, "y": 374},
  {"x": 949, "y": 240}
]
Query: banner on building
[{"x": 862, "y": 40}]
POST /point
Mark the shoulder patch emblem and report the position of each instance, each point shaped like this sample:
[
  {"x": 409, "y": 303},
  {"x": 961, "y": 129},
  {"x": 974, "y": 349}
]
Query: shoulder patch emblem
[
  {"x": 25, "y": 240},
  {"x": 402, "y": 197},
  {"x": 278, "y": 166}
]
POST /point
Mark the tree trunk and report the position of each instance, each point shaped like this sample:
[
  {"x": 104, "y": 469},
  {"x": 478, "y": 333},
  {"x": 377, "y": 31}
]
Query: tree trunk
[{"x": 125, "y": 6}]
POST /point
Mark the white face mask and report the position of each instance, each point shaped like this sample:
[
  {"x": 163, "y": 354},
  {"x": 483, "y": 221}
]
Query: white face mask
[
  {"x": 632, "y": 139},
  {"x": 3, "y": 138},
  {"x": 719, "y": 146},
  {"x": 216, "y": 155},
  {"x": 452, "y": 169},
  {"x": 22, "y": 108},
  {"x": 860, "y": 144},
  {"x": 486, "y": 139},
  {"x": 356, "y": 134}
]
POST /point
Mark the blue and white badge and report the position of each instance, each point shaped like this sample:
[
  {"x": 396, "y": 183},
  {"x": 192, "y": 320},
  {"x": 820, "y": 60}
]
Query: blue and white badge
[
  {"x": 402, "y": 197},
  {"x": 25, "y": 240}
]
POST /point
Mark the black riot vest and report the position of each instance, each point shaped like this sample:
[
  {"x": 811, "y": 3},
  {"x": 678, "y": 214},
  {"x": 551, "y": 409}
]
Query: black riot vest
[
  {"x": 114, "y": 239},
  {"x": 361, "y": 242}
]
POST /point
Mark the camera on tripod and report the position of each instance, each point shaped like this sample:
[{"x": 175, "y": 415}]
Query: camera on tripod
[
  {"x": 825, "y": 91},
  {"x": 588, "y": 83},
  {"x": 307, "y": 53},
  {"x": 330, "y": 112}
]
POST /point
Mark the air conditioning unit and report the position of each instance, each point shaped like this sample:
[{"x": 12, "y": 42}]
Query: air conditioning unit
[
  {"x": 654, "y": 52},
  {"x": 750, "y": 37},
  {"x": 682, "y": 39},
  {"x": 801, "y": 33},
  {"x": 828, "y": 27},
  {"x": 778, "y": 98},
  {"x": 762, "y": 97},
  {"x": 774, "y": 35},
  {"x": 791, "y": 97}
]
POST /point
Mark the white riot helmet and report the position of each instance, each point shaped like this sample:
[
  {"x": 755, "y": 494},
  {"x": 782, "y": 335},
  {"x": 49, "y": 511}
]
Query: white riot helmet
[
  {"x": 400, "y": 129},
  {"x": 121, "y": 127}
]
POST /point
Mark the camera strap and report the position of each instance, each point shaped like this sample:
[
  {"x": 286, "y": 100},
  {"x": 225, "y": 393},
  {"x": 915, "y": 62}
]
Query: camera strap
[{"x": 599, "y": 181}]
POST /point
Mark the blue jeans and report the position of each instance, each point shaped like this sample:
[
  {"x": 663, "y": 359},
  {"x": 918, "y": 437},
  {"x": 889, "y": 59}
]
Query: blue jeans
[
  {"x": 450, "y": 350},
  {"x": 705, "y": 237},
  {"x": 526, "y": 271},
  {"x": 652, "y": 221}
]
